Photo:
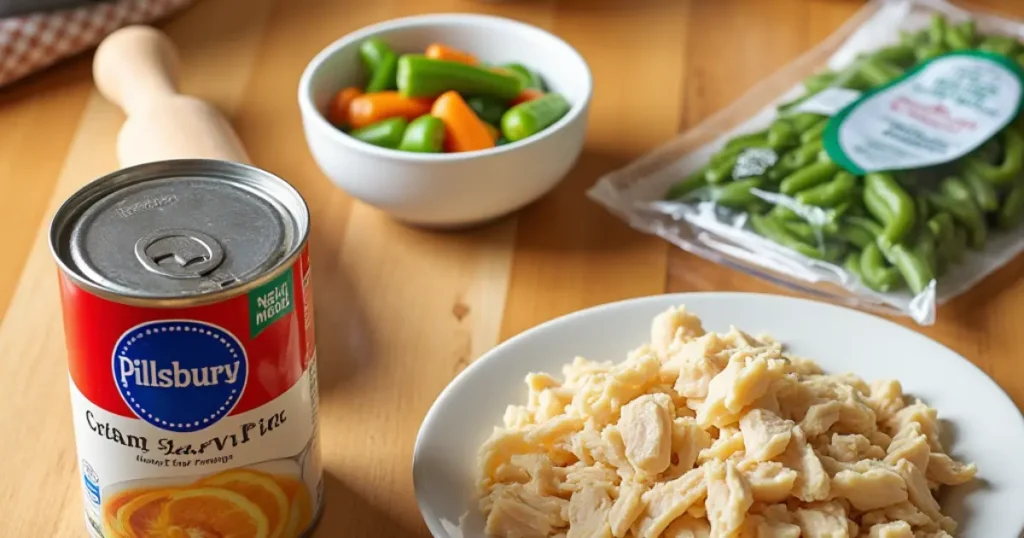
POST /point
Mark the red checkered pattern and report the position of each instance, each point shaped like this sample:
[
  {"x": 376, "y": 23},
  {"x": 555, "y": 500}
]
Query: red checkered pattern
[{"x": 32, "y": 42}]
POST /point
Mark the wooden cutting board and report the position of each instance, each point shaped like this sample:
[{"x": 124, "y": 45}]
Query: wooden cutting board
[{"x": 401, "y": 311}]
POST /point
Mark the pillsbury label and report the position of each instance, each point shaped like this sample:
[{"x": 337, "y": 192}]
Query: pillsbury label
[
  {"x": 160, "y": 365},
  {"x": 168, "y": 401}
]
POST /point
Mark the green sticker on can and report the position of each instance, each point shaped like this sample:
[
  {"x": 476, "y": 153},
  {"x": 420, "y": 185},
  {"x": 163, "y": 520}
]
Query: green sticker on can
[
  {"x": 933, "y": 114},
  {"x": 270, "y": 302}
]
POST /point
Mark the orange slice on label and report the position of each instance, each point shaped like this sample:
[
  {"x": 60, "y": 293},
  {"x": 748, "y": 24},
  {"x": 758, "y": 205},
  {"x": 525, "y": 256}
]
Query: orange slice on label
[
  {"x": 211, "y": 512},
  {"x": 143, "y": 516},
  {"x": 301, "y": 512},
  {"x": 111, "y": 505},
  {"x": 261, "y": 489}
]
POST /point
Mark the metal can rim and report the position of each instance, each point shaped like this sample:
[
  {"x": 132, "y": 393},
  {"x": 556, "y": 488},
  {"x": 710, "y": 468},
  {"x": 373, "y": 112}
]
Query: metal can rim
[{"x": 77, "y": 203}]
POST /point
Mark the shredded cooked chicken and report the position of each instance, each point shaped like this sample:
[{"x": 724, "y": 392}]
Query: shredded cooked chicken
[{"x": 714, "y": 435}]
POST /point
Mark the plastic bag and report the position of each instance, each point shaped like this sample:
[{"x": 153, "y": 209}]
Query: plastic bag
[{"x": 637, "y": 193}]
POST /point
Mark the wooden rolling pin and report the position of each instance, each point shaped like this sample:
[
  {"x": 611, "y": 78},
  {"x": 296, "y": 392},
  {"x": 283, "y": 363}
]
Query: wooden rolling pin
[{"x": 136, "y": 68}]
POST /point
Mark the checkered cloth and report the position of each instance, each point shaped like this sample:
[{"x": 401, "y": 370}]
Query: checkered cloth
[{"x": 32, "y": 42}]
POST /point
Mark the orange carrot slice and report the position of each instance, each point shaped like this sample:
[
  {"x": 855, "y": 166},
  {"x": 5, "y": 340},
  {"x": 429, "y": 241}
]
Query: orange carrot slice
[
  {"x": 370, "y": 108},
  {"x": 437, "y": 51},
  {"x": 464, "y": 131},
  {"x": 337, "y": 110},
  {"x": 528, "y": 94}
]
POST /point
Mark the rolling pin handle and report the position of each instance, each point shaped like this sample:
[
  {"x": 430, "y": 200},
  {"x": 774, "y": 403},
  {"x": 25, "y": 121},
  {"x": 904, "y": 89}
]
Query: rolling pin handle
[{"x": 134, "y": 65}]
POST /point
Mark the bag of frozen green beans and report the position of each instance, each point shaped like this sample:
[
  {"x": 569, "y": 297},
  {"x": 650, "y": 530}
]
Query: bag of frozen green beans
[{"x": 884, "y": 169}]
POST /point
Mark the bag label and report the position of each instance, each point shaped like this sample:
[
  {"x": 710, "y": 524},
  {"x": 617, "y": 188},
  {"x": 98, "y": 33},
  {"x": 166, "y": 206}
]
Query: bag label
[{"x": 935, "y": 113}]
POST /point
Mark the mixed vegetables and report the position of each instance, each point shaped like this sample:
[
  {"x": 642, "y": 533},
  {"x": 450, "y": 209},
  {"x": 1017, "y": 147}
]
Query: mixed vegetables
[
  {"x": 444, "y": 100},
  {"x": 890, "y": 229}
]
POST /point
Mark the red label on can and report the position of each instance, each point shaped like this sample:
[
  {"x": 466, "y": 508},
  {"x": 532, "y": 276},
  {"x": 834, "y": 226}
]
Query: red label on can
[{"x": 218, "y": 399}]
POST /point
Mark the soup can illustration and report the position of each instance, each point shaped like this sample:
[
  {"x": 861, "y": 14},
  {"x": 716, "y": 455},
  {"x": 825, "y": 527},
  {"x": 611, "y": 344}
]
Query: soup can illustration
[{"x": 188, "y": 317}]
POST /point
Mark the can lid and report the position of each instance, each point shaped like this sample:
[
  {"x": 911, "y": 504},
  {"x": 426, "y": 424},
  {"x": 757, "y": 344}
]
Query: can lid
[{"x": 175, "y": 229}]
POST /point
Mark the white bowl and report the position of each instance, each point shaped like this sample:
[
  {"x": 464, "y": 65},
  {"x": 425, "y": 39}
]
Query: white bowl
[
  {"x": 455, "y": 189},
  {"x": 980, "y": 422}
]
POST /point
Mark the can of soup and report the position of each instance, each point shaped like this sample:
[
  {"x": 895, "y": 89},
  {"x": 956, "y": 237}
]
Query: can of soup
[{"x": 189, "y": 324}]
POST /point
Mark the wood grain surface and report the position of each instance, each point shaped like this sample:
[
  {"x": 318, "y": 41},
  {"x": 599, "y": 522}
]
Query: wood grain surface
[{"x": 401, "y": 311}]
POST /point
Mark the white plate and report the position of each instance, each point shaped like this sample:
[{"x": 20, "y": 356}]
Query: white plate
[{"x": 980, "y": 420}]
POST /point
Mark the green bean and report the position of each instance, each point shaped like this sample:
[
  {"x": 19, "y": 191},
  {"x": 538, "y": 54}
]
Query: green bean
[
  {"x": 743, "y": 142},
  {"x": 692, "y": 182},
  {"x": 927, "y": 52},
  {"x": 384, "y": 77},
  {"x": 875, "y": 273},
  {"x": 736, "y": 195},
  {"x": 866, "y": 224},
  {"x": 943, "y": 228},
  {"x": 961, "y": 36},
  {"x": 419, "y": 76},
  {"x": 529, "y": 78},
  {"x": 1009, "y": 169},
  {"x": 489, "y": 109},
  {"x": 999, "y": 44},
  {"x": 956, "y": 200},
  {"x": 805, "y": 120},
  {"x": 914, "y": 269},
  {"x": 529, "y": 118},
  {"x": 924, "y": 247},
  {"x": 776, "y": 231},
  {"x": 982, "y": 191},
  {"x": 814, "y": 132},
  {"x": 852, "y": 265},
  {"x": 900, "y": 55},
  {"x": 784, "y": 214},
  {"x": 800, "y": 157},
  {"x": 889, "y": 203},
  {"x": 937, "y": 29},
  {"x": 373, "y": 51},
  {"x": 922, "y": 208},
  {"x": 912, "y": 39},
  {"x": 808, "y": 176},
  {"x": 819, "y": 81},
  {"x": 960, "y": 236},
  {"x": 723, "y": 162},
  {"x": 722, "y": 170},
  {"x": 385, "y": 133},
  {"x": 782, "y": 135},
  {"x": 853, "y": 78},
  {"x": 830, "y": 194},
  {"x": 856, "y": 235},
  {"x": 1013, "y": 206},
  {"x": 833, "y": 251},
  {"x": 424, "y": 134},
  {"x": 805, "y": 232},
  {"x": 878, "y": 72}
]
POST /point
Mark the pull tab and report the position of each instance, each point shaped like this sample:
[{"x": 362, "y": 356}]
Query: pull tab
[{"x": 179, "y": 253}]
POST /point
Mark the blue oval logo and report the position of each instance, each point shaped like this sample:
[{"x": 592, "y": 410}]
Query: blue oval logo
[{"x": 181, "y": 376}]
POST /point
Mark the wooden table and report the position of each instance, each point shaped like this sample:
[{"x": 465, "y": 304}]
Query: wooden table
[{"x": 401, "y": 311}]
